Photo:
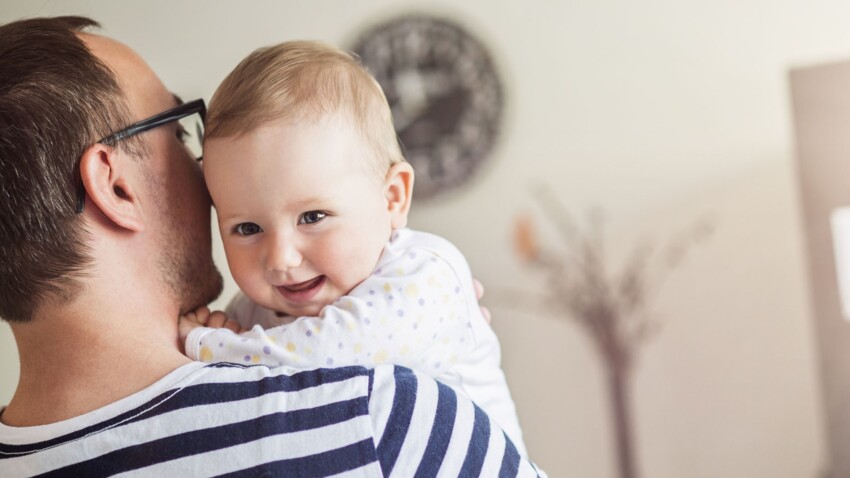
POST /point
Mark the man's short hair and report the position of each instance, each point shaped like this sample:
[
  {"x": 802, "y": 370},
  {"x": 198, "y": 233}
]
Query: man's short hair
[
  {"x": 299, "y": 80},
  {"x": 56, "y": 99}
]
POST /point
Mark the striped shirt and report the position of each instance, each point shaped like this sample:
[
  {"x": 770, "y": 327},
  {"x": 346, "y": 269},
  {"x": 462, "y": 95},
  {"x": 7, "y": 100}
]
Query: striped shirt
[{"x": 232, "y": 420}]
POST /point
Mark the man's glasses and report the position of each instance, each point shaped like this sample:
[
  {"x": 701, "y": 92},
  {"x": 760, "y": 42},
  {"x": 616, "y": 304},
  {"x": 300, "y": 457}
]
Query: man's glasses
[{"x": 191, "y": 117}]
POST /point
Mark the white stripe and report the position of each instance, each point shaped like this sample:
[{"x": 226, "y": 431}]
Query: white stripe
[
  {"x": 369, "y": 471},
  {"x": 459, "y": 443},
  {"x": 421, "y": 423},
  {"x": 380, "y": 405}
]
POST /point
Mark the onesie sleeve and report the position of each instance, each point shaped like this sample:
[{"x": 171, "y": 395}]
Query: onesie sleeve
[{"x": 411, "y": 311}]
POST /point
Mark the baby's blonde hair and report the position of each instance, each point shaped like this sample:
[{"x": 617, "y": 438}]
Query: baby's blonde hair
[{"x": 304, "y": 80}]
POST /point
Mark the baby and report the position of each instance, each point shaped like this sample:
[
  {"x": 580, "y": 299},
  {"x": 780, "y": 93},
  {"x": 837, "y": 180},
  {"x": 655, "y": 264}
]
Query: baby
[{"x": 312, "y": 195}]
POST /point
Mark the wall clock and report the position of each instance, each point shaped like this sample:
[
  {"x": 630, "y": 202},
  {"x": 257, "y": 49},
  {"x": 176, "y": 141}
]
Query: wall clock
[{"x": 445, "y": 93}]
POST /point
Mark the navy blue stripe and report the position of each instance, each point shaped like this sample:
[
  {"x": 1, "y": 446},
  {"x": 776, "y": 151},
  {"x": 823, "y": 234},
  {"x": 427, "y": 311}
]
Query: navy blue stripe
[
  {"x": 510, "y": 462},
  {"x": 215, "y": 438},
  {"x": 200, "y": 394},
  {"x": 441, "y": 433},
  {"x": 326, "y": 463},
  {"x": 478, "y": 444},
  {"x": 399, "y": 420}
]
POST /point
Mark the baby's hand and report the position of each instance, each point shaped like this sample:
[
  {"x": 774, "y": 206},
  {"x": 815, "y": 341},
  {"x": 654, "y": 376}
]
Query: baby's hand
[
  {"x": 202, "y": 317},
  {"x": 479, "y": 292}
]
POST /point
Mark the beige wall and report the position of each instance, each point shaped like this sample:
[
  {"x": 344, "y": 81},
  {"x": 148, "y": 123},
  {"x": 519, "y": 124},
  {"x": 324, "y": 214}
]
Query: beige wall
[{"x": 659, "y": 114}]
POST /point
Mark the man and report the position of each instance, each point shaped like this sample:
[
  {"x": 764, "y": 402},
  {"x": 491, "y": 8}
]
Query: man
[{"x": 105, "y": 241}]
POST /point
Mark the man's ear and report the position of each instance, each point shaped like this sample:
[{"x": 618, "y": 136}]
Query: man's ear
[
  {"x": 398, "y": 189},
  {"x": 109, "y": 186}
]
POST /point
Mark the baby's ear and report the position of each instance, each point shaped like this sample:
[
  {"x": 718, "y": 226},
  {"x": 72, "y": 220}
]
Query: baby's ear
[{"x": 398, "y": 189}]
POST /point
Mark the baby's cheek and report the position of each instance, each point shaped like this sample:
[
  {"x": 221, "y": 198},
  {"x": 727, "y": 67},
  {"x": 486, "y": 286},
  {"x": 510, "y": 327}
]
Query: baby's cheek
[{"x": 246, "y": 273}]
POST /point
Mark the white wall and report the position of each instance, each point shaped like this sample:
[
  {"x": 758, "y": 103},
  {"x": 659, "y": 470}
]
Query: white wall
[{"x": 658, "y": 112}]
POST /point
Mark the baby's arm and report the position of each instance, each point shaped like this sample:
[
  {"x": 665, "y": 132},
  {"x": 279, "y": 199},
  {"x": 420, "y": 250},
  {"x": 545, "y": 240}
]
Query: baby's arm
[{"x": 411, "y": 311}]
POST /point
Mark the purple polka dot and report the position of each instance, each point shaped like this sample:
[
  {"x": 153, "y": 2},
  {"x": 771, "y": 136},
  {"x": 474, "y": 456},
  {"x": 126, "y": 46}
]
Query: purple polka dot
[
  {"x": 366, "y": 320},
  {"x": 433, "y": 259},
  {"x": 221, "y": 344},
  {"x": 390, "y": 297},
  {"x": 421, "y": 301},
  {"x": 437, "y": 365},
  {"x": 247, "y": 358},
  {"x": 415, "y": 326},
  {"x": 369, "y": 304},
  {"x": 330, "y": 361},
  {"x": 400, "y": 313},
  {"x": 378, "y": 270},
  {"x": 457, "y": 290},
  {"x": 390, "y": 337},
  {"x": 371, "y": 292},
  {"x": 309, "y": 333},
  {"x": 340, "y": 345},
  {"x": 412, "y": 255},
  {"x": 400, "y": 289},
  {"x": 267, "y": 350}
]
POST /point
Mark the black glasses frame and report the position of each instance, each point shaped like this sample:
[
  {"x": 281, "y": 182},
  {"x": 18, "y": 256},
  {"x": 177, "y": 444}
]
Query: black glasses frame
[{"x": 174, "y": 114}]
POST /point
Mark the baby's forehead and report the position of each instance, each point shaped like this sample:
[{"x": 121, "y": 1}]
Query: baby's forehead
[{"x": 304, "y": 135}]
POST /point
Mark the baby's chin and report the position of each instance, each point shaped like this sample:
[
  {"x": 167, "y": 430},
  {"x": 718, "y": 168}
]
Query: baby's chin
[{"x": 312, "y": 310}]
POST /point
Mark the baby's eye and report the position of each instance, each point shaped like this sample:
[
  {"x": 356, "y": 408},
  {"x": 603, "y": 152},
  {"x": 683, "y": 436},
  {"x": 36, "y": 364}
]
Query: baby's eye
[
  {"x": 312, "y": 217},
  {"x": 247, "y": 229}
]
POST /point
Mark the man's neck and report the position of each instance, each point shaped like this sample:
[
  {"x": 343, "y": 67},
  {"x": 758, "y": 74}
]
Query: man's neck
[{"x": 75, "y": 362}]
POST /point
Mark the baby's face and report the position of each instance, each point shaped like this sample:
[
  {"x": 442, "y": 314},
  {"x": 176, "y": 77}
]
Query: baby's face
[{"x": 302, "y": 217}]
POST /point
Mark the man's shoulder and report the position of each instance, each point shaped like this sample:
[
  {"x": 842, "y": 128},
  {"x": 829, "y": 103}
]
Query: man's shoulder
[{"x": 286, "y": 420}]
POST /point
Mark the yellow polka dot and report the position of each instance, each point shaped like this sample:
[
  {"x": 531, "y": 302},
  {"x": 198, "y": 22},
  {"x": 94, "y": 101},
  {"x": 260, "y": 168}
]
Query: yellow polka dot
[
  {"x": 381, "y": 356},
  {"x": 206, "y": 354},
  {"x": 388, "y": 287},
  {"x": 412, "y": 290},
  {"x": 399, "y": 272},
  {"x": 358, "y": 348},
  {"x": 382, "y": 321},
  {"x": 432, "y": 281},
  {"x": 290, "y": 347},
  {"x": 308, "y": 351},
  {"x": 255, "y": 359}
]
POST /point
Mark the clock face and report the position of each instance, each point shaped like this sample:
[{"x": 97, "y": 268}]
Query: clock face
[{"x": 445, "y": 96}]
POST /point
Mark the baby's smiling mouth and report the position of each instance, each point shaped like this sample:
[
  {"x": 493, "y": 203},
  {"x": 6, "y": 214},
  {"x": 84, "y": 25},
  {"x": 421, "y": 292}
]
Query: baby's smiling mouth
[{"x": 302, "y": 291}]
